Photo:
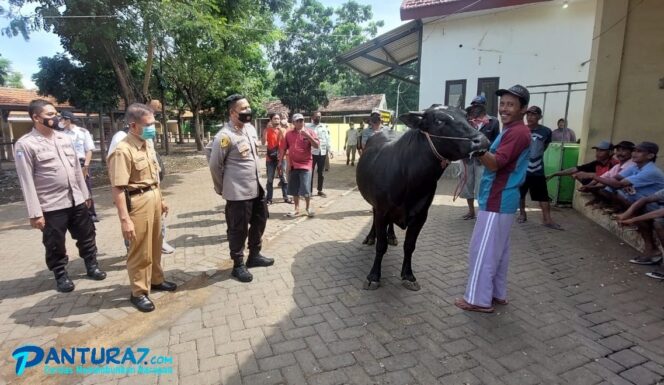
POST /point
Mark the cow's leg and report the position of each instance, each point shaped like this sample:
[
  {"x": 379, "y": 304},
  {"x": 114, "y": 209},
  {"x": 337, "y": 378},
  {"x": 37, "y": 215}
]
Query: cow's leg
[
  {"x": 373, "y": 279},
  {"x": 371, "y": 237},
  {"x": 412, "y": 232},
  {"x": 391, "y": 237}
]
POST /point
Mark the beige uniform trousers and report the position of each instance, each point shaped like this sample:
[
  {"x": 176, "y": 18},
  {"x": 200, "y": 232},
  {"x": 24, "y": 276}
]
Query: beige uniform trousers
[{"x": 144, "y": 257}]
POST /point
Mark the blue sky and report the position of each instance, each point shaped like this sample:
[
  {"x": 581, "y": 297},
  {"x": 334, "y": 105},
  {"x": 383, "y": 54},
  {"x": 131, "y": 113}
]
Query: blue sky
[{"x": 24, "y": 54}]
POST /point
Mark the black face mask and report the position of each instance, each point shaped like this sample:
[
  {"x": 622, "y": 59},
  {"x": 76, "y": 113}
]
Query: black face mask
[
  {"x": 52, "y": 123},
  {"x": 375, "y": 119},
  {"x": 245, "y": 116},
  {"x": 316, "y": 120}
]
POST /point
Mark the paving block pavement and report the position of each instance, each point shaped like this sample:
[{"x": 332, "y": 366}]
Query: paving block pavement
[{"x": 579, "y": 313}]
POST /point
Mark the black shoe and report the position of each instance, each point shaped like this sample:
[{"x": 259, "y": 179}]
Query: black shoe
[
  {"x": 352, "y": 164},
  {"x": 259, "y": 260},
  {"x": 94, "y": 218},
  {"x": 164, "y": 286},
  {"x": 95, "y": 272},
  {"x": 142, "y": 303},
  {"x": 242, "y": 274},
  {"x": 64, "y": 284},
  {"x": 347, "y": 161},
  {"x": 322, "y": 194}
]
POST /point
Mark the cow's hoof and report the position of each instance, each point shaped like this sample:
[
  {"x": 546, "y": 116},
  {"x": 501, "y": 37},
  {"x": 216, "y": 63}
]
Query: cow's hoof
[
  {"x": 371, "y": 285},
  {"x": 411, "y": 285},
  {"x": 392, "y": 241},
  {"x": 369, "y": 241}
]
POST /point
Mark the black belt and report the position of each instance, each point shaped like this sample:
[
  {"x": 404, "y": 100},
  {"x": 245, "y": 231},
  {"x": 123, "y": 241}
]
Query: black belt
[{"x": 142, "y": 190}]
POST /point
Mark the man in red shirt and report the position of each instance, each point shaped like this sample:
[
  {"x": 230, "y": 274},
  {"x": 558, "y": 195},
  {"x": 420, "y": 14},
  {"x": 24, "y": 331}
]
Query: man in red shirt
[
  {"x": 298, "y": 142},
  {"x": 273, "y": 138}
]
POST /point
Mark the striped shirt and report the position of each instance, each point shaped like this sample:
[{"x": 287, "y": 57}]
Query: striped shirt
[{"x": 499, "y": 190}]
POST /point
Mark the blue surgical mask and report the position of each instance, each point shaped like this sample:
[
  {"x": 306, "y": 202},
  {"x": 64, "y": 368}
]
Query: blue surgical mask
[{"x": 149, "y": 132}]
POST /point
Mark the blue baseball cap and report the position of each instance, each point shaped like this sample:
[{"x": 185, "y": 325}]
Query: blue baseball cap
[{"x": 479, "y": 99}]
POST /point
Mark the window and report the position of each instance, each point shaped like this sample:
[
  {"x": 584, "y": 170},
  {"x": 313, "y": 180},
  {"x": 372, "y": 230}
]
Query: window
[
  {"x": 455, "y": 93},
  {"x": 488, "y": 88}
]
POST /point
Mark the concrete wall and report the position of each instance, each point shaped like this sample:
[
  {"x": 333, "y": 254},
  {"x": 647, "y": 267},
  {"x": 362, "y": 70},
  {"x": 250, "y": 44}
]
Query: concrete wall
[
  {"x": 625, "y": 99},
  {"x": 533, "y": 44}
]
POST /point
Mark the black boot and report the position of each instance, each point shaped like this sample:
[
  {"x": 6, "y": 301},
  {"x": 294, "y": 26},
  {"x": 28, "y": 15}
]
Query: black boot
[
  {"x": 258, "y": 260},
  {"x": 94, "y": 271},
  {"x": 241, "y": 273},
  {"x": 63, "y": 283}
]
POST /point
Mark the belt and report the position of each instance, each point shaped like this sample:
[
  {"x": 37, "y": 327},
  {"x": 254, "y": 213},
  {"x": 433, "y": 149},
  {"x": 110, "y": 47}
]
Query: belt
[{"x": 142, "y": 190}]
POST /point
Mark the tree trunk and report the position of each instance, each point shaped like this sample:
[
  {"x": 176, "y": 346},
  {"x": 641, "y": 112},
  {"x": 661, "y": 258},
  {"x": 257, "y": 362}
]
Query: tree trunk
[
  {"x": 164, "y": 124},
  {"x": 198, "y": 129},
  {"x": 180, "y": 128},
  {"x": 148, "y": 69},
  {"x": 130, "y": 93}
]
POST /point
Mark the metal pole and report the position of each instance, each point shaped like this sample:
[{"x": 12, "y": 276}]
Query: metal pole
[
  {"x": 398, "y": 88},
  {"x": 569, "y": 93}
]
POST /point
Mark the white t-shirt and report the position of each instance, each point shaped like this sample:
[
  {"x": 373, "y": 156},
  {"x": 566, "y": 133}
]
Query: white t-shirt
[
  {"x": 114, "y": 142},
  {"x": 81, "y": 139}
]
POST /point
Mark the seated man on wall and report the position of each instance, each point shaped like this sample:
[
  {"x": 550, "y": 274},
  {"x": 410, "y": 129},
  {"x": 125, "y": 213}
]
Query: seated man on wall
[
  {"x": 603, "y": 162},
  {"x": 601, "y": 198},
  {"x": 639, "y": 181},
  {"x": 647, "y": 213}
]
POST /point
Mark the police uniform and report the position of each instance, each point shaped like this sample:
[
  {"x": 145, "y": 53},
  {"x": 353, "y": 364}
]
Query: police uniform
[
  {"x": 54, "y": 188},
  {"x": 234, "y": 167},
  {"x": 132, "y": 165}
]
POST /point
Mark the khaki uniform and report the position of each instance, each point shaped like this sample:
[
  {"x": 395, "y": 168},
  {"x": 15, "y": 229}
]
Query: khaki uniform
[
  {"x": 54, "y": 188},
  {"x": 133, "y": 166}
]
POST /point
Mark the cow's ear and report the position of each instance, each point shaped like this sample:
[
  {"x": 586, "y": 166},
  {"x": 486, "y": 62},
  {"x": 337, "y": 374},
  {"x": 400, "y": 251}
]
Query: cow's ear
[{"x": 412, "y": 119}]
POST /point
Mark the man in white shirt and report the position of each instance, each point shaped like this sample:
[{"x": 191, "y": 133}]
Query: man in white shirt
[
  {"x": 350, "y": 144},
  {"x": 319, "y": 154},
  {"x": 83, "y": 145}
]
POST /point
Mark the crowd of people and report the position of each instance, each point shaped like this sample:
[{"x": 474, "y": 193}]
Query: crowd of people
[{"x": 53, "y": 161}]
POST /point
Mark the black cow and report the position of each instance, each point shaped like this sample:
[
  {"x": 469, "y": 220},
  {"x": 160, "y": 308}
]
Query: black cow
[{"x": 399, "y": 178}]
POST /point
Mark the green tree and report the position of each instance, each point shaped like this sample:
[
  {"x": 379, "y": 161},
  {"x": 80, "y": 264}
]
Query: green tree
[
  {"x": 305, "y": 60},
  {"x": 209, "y": 53},
  {"x": 9, "y": 78},
  {"x": 114, "y": 35}
]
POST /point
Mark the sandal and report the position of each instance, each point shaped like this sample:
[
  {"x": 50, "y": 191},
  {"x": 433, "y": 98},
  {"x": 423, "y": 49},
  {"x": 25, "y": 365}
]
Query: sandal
[
  {"x": 498, "y": 301},
  {"x": 656, "y": 275},
  {"x": 288, "y": 200},
  {"x": 553, "y": 226},
  {"x": 521, "y": 219},
  {"x": 463, "y": 305},
  {"x": 310, "y": 213},
  {"x": 468, "y": 216},
  {"x": 655, "y": 260},
  {"x": 293, "y": 214}
]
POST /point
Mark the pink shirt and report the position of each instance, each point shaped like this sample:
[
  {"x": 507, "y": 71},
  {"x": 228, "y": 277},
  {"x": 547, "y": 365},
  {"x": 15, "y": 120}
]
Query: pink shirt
[
  {"x": 299, "y": 149},
  {"x": 617, "y": 169}
]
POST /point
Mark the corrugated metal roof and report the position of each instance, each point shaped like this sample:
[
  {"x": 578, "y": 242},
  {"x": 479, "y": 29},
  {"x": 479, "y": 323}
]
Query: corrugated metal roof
[
  {"x": 420, "y": 9},
  {"x": 388, "y": 53}
]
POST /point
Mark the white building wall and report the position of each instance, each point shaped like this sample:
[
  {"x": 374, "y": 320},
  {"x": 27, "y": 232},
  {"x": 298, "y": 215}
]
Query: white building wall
[{"x": 540, "y": 43}]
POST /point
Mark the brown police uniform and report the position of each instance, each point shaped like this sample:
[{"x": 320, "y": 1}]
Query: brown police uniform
[{"x": 133, "y": 166}]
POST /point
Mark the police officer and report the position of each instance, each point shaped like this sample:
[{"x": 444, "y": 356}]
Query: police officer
[
  {"x": 133, "y": 170},
  {"x": 320, "y": 154},
  {"x": 234, "y": 166},
  {"x": 83, "y": 145},
  {"x": 55, "y": 193}
]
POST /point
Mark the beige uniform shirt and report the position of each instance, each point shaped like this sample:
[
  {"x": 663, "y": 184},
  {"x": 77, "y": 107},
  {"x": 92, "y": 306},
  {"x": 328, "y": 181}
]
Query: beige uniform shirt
[
  {"x": 49, "y": 173},
  {"x": 234, "y": 163},
  {"x": 132, "y": 164}
]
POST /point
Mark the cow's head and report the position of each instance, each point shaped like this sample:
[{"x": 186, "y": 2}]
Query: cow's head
[{"x": 449, "y": 131}]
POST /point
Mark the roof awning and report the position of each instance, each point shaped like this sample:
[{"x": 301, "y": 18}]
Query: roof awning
[{"x": 389, "y": 54}]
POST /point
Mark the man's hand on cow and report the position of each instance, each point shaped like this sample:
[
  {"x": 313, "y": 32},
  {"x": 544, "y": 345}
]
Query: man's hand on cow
[{"x": 478, "y": 154}]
